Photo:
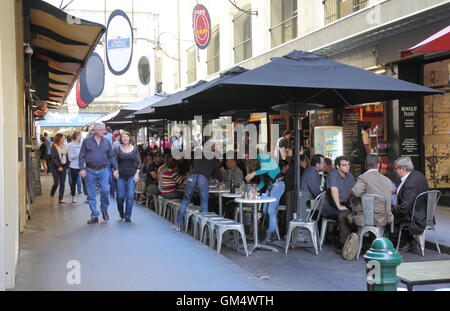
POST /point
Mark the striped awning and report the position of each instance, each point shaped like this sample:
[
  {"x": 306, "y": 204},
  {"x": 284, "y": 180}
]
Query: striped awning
[{"x": 62, "y": 45}]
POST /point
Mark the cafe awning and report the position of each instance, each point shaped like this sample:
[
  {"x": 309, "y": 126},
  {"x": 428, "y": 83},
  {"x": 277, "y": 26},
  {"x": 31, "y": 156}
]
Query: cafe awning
[
  {"x": 436, "y": 43},
  {"x": 61, "y": 46}
]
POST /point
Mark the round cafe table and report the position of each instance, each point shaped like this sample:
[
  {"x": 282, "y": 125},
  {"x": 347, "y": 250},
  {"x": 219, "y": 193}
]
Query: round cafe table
[
  {"x": 255, "y": 202},
  {"x": 220, "y": 192}
]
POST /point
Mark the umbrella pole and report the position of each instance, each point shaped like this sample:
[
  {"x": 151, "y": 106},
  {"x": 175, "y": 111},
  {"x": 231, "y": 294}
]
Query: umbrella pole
[{"x": 301, "y": 213}]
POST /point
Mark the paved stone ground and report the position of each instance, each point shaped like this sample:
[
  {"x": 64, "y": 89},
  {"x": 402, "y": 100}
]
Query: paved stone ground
[{"x": 149, "y": 255}]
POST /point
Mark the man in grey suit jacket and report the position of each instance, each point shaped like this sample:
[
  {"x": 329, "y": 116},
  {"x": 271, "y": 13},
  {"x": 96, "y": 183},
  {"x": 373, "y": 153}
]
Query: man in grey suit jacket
[{"x": 371, "y": 182}]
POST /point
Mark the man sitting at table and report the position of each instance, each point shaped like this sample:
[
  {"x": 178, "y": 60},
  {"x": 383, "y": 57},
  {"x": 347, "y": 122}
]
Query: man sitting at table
[
  {"x": 233, "y": 173},
  {"x": 311, "y": 179},
  {"x": 371, "y": 182},
  {"x": 412, "y": 184},
  {"x": 340, "y": 183}
]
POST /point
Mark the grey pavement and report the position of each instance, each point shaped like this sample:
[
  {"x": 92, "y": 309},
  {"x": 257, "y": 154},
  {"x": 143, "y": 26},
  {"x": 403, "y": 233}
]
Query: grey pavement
[{"x": 149, "y": 255}]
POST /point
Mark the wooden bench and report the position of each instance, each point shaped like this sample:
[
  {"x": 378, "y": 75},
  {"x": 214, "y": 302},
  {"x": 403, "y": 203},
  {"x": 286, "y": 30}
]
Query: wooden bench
[{"x": 424, "y": 273}]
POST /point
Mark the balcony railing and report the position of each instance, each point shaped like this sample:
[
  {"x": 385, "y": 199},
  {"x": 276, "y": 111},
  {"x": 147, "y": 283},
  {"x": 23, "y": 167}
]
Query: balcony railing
[{"x": 336, "y": 9}]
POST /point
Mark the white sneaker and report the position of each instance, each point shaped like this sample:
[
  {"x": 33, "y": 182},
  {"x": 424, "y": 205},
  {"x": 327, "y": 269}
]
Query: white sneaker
[{"x": 177, "y": 227}]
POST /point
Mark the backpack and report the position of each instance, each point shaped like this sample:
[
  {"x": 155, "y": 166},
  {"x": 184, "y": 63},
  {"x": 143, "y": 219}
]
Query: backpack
[{"x": 350, "y": 247}]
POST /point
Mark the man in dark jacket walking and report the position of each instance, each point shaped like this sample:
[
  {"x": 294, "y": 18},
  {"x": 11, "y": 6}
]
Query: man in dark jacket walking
[{"x": 412, "y": 184}]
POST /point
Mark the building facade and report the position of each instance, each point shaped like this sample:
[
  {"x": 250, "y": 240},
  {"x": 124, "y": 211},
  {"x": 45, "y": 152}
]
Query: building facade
[{"x": 365, "y": 33}]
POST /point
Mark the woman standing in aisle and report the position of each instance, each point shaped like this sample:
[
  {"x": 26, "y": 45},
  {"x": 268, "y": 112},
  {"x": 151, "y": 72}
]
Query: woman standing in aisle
[
  {"x": 73, "y": 150},
  {"x": 129, "y": 163},
  {"x": 59, "y": 163},
  {"x": 43, "y": 156}
]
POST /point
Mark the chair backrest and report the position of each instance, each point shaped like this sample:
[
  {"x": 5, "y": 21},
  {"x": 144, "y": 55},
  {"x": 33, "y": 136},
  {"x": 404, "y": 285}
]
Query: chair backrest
[
  {"x": 367, "y": 201},
  {"x": 316, "y": 205},
  {"x": 433, "y": 197}
]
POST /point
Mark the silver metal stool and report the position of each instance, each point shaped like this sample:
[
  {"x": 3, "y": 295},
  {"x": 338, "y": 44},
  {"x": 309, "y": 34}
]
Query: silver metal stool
[
  {"x": 195, "y": 219},
  {"x": 221, "y": 228}
]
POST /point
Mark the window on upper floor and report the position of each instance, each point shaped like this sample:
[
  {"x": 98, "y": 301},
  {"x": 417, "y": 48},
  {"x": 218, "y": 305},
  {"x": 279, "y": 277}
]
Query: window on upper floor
[
  {"x": 283, "y": 21},
  {"x": 213, "y": 52},
  {"x": 336, "y": 9},
  {"x": 242, "y": 36},
  {"x": 191, "y": 54}
]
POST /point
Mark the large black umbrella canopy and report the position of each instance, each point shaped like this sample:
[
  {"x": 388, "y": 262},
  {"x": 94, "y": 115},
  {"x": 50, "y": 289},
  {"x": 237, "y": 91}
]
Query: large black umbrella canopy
[
  {"x": 306, "y": 77},
  {"x": 173, "y": 107},
  {"x": 146, "y": 102}
]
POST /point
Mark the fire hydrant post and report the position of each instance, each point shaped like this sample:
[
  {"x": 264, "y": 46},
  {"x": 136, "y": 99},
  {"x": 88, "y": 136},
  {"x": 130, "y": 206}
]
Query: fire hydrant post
[{"x": 382, "y": 261}]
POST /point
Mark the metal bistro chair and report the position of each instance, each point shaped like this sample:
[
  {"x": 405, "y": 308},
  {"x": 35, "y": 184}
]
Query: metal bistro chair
[
  {"x": 223, "y": 227},
  {"x": 195, "y": 220},
  {"x": 433, "y": 197},
  {"x": 367, "y": 201},
  {"x": 210, "y": 224},
  {"x": 191, "y": 210},
  {"x": 310, "y": 224}
]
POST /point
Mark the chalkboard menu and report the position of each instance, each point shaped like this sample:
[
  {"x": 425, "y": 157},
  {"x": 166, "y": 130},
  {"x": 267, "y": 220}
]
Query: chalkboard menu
[
  {"x": 35, "y": 174},
  {"x": 324, "y": 117},
  {"x": 350, "y": 118}
]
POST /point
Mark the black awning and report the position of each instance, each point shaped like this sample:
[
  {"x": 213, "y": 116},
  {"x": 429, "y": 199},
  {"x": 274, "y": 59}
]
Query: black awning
[{"x": 61, "y": 47}]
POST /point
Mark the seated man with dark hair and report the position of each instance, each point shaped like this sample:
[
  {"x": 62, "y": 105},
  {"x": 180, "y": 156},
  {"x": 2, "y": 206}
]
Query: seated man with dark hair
[
  {"x": 340, "y": 184},
  {"x": 310, "y": 182}
]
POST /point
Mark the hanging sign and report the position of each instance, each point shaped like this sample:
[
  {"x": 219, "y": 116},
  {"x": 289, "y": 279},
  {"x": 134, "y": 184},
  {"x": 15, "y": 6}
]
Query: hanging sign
[
  {"x": 119, "y": 42},
  {"x": 202, "y": 26},
  {"x": 92, "y": 77}
]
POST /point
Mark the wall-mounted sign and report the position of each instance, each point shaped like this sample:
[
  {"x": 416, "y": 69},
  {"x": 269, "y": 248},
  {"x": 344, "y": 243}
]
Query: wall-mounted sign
[
  {"x": 92, "y": 77},
  {"x": 119, "y": 42},
  {"x": 80, "y": 102},
  {"x": 144, "y": 70},
  {"x": 201, "y": 24},
  {"x": 56, "y": 119}
]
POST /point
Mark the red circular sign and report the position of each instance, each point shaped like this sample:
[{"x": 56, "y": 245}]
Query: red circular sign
[{"x": 202, "y": 26}]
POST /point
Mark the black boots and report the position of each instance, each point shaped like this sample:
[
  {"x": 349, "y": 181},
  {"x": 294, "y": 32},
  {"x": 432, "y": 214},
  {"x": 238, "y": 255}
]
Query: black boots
[{"x": 268, "y": 239}]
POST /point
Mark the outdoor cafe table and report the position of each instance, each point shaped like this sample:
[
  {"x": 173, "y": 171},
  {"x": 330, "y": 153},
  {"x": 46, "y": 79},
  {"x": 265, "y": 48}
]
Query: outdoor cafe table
[
  {"x": 219, "y": 192},
  {"x": 255, "y": 203},
  {"x": 424, "y": 272}
]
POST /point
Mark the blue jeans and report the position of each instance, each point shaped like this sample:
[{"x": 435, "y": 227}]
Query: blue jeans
[
  {"x": 112, "y": 181},
  {"x": 94, "y": 177},
  {"x": 276, "y": 190},
  {"x": 172, "y": 195},
  {"x": 59, "y": 179},
  {"x": 125, "y": 193},
  {"x": 69, "y": 172},
  {"x": 194, "y": 181}
]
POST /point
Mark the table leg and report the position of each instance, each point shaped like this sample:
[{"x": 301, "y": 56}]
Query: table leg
[
  {"x": 256, "y": 244},
  {"x": 241, "y": 216},
  {"x": 220, "y": 204}
]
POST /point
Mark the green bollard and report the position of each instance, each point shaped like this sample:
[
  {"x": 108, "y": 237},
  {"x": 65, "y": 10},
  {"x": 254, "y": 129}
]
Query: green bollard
[{"x": 381, "y": 266}]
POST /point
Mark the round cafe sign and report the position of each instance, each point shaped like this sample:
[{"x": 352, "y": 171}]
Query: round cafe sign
[{"x": 202, "y": 26}]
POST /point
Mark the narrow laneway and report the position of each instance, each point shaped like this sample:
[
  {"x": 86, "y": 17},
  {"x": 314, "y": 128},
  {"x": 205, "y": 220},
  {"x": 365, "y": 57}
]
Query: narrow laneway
[{"x": 144, "y": 255}]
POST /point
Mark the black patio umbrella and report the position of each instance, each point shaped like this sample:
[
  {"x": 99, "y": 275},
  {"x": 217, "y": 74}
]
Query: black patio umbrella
[
  {"x": 173, "y": 107},
  {"x": 301, "y": 81},
  {"x": 126, "y": 111}
]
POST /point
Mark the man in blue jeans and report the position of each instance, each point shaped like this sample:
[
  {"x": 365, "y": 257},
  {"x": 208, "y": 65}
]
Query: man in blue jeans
[
  {"x": 199, "y": 176},
  {"x": 95, "y": 154}
]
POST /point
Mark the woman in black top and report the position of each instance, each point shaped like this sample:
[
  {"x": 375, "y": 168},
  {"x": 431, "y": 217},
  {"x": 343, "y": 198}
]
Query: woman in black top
[
  {"x": 129, "y": 162},
  {"x": 59, "y": 163},
  {"x": 43, "y": 156}
]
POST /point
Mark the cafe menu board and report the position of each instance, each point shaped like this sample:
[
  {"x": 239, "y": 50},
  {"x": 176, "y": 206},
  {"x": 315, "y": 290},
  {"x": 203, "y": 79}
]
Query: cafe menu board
[
  {"x": 409, "y": 135},
  {"x": 350, "y": 118},
  {"x": 324, "y": 117}
]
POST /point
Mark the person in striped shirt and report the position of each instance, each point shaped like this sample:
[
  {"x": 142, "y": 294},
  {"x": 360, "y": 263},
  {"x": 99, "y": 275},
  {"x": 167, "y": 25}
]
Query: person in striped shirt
[{"x": 170, "y": 179}]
